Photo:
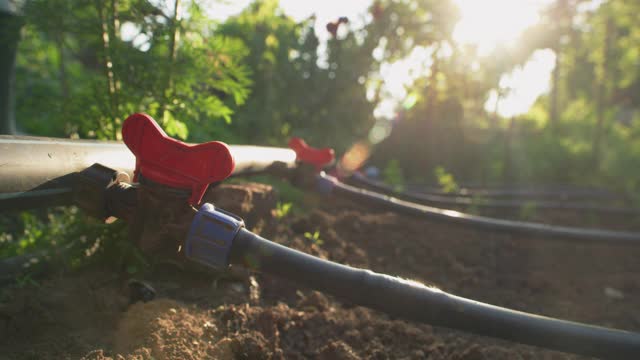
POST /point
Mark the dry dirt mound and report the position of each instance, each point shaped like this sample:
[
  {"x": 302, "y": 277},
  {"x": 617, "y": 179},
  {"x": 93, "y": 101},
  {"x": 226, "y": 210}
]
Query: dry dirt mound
[{"x": 166, "y": 329}]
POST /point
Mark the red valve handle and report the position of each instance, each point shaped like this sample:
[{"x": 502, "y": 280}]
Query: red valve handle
[
  {"x": 310, "y": 155},
  {"x": 171, "y": 162}
]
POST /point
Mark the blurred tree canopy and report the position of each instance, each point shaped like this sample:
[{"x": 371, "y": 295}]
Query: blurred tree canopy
[
  {"x": 583, "y": 131},
  {"x": 77, "y": 76},
  {"x": 293, "y": 94},
  {"x": 260, "y": 77}
]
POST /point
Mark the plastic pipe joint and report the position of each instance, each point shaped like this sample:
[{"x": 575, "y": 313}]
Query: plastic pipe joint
[{"x": 211, "y": 236}]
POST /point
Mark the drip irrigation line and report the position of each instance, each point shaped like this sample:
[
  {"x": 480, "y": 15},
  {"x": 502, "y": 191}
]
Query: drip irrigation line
[
  {"x": 39, "y": 171},
  {"x": 328, "y": 184},
  {"x": 28, "y": 162},
  {"x": 415, "y": 302},
  {"x": 31, "y": 162},
  {"x": 431, "y": 199},
  {"x": 553, "y": 191},
  {"x": 34, "y": 199}
]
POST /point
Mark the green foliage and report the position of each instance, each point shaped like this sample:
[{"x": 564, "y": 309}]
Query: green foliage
[
  {"x": 314, "y": 237},
  {"x": 528, "y": 211},
  {"x": 27, "y": 280},
  {"x": 282, "y": 209},
  {"x": 35, "y": 231},
  {"x": 392, "y": 175},
  {"x": 577, "y": 133},
  {"x": 77, "y": 76},
  {"x": 73, "y": 238},
  {"x": 292, "y": 95},
  {"x": 446, "y": 180}
]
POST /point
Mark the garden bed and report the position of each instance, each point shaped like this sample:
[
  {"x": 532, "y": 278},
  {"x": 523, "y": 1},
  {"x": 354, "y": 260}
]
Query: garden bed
[{"x": 237, "y": 314}]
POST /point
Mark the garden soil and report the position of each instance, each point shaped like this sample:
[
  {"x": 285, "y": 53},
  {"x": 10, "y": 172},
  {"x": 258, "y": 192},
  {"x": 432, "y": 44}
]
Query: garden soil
[{"x": 196, "y": 314}]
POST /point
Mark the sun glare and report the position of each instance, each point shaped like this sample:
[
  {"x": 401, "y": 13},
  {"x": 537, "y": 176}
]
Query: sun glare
[
  {"x": 490, "y": 23},
  {"x": 485, "y": 24},
  {"x": 523, "y": 85}
]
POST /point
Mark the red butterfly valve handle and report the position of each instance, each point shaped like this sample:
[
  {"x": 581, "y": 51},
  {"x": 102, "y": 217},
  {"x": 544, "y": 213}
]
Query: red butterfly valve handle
[{"x": 172, "y": 162}]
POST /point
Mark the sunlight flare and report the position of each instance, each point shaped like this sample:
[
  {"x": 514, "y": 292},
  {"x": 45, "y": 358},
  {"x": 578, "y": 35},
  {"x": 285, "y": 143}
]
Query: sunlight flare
[
  {"x": 490, "y": 23},
  {"x": 523, "y": 85}
]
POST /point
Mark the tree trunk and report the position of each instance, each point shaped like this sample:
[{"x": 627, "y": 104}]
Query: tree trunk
[
  {"x": 174, "y": 38},
  {"x": 62, "y": 68},
  {"x": 10, "y": 27},
  {"x": 601, "y": 95},
  {"x": 507, "y": 167},
  {"x": 555, "y": 84},
  {"x": 425, "y": 138},
  {"x": 108, "y": 67}
]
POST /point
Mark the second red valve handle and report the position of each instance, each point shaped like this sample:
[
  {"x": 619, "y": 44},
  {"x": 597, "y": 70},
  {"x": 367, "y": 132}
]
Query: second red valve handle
[{"x": 310, "y": 155}]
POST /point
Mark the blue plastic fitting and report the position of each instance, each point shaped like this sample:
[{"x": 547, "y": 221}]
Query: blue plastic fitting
[{"x": 211, "y": 236}]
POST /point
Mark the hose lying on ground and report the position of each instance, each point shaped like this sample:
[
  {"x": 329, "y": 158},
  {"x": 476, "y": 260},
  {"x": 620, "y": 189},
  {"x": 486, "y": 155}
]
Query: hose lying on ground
[
  {"x": 530, "y": 191},
  {"x": 329, "y": 184},
  {"x": 218, "y": 239},
  {"x": 456, "y": 200}
]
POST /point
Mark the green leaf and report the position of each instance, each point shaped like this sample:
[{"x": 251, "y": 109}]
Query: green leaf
[{"x": 174, "y": 127}]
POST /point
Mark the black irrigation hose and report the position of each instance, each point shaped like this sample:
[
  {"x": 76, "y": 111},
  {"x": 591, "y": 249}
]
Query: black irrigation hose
[
  {"x": 431, "y": 199},
  {"x": 415, "y": 302},
  {"x": 28, "y": 162},
  {"x": 37, "y": 171},
  {"x": 552, "y": 191},
  {"x": 61, "y": 196},
  {"x": 329, "y": 184},
  {"x": 31, "y": 162},
  {"x": 566, "y": 192}
]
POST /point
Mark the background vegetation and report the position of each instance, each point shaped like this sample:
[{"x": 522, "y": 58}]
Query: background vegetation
[{"x": 260, "y": 77}]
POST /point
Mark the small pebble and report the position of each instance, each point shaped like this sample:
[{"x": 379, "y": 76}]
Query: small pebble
[
  {"x": 140, "y": 291},
  {"x": 209, "y": 325},
  {"x": 237, "y": 287},
  {"x": 612, "y": 293}
]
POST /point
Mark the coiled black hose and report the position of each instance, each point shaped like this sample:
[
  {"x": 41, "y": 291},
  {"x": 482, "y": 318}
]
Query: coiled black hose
[
  {"x": 415, "y": 302},
  {"x": 329, "y": 184}
]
